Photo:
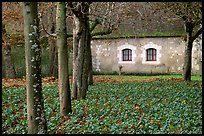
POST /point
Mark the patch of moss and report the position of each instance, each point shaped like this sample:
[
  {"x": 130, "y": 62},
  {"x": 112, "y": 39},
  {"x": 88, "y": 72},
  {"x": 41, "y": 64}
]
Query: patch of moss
[{"x": 142, "y": 34}]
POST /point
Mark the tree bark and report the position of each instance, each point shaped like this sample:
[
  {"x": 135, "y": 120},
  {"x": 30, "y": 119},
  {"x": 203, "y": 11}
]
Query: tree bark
[
  {"x": 35, "y": 102},
  {"x": 63, "y": 83},
  {"x": 188, "y": 52},
  {"x": 10, "y": 70},
  {"x": 89, "y": 57},
  {"x": 78, "y": 58},
  {"x": 75, "y": 54},
  {"x": 53, "y": 59},
  {"x": 85, "y": 63},
  {"x": 80, "y": 76},
  {"x": 52, "y": 47}
]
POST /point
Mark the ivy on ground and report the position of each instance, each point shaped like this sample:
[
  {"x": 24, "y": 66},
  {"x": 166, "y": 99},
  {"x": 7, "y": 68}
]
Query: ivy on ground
[{"x": 156, "y": 107}]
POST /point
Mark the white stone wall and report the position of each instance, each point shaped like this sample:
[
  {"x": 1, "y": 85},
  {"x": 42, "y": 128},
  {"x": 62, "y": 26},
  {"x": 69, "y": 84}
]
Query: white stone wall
[
  {"x": 197, "y": 54},
  {"x": 98, "y": 52},
  {"x": 107, "y": 55}
]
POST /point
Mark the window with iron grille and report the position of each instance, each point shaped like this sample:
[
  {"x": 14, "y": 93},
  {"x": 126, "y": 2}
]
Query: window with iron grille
[
  {"x": 151, "y": 54},
  {"x": 127, "y": 55}
]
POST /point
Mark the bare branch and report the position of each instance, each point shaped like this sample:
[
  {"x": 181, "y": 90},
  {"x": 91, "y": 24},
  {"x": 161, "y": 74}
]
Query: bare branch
[
  {"x": 95, "y": 23},
  {"x": 43, "y": 27},
  {"x": 73, "y": 9},
  {"x": 197, "y": 34}
]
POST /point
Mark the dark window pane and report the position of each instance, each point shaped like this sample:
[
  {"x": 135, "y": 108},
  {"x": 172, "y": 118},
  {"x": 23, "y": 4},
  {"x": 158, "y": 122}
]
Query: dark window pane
[
  {"x": 127, "y": 55},
  {"x": 151, "y": 54}
]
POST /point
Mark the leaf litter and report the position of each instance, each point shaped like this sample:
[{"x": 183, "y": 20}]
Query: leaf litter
[{"x": 21, "y": 82}]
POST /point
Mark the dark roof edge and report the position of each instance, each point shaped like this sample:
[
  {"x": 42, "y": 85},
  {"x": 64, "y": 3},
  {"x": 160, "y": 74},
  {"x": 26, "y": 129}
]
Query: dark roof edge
[{"x": 121, "y": 37}]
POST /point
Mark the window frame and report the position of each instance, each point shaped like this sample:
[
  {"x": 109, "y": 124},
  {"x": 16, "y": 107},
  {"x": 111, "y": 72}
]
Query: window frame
[
  {"x": 126, "y": 54},
  {"x": 151, "y": 54}
]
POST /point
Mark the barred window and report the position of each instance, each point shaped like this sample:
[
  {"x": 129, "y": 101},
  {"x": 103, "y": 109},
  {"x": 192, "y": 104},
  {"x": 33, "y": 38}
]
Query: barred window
[{"x": 127, "y": 55}]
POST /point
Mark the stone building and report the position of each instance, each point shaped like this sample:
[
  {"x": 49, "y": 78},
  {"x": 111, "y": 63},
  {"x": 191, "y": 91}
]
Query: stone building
[{"x": 144, "y": 55}]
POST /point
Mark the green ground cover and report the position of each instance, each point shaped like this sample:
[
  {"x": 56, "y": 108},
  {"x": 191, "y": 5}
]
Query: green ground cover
[
  {"x": 133, "y": 77},
  {"x": 129, "y": 107}
]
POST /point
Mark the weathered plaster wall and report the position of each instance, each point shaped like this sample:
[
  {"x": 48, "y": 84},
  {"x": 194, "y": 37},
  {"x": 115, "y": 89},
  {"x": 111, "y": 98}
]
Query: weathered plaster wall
[
  {"x": 197, "y": 56},
  {"x": 107, "y": 55}
]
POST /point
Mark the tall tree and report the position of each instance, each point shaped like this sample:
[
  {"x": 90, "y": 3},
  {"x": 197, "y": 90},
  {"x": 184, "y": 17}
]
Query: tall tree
[
  {"x": 89, "y": 55},
  {"x": 191, "y": 13},
  {"x": 80, "y": 12},
  {"x": 35, "y": 102},
  {"x": 82, "y": 35},
  {"x": 63, "y": 83},
  {"x": 62, "y": 49}
]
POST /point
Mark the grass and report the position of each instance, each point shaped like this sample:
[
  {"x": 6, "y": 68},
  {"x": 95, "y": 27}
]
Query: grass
[{"x": 156, "y": 107}]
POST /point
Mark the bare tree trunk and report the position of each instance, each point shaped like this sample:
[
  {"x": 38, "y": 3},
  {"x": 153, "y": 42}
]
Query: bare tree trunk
[
  {"x": 89, "y": 58},
  {"x": 187, "y": 62},
  {"x": 80, "y": 76},
  {"x": 53, "y": 60},
  {"x": 64, "y": 88},
  {"x": 87, "y": 65},
  {"x": 80, "y": 63},
  {"x": 78, "y": 57},
  {"x": 75, "y": 54},
  {"x": 188, "y": 53},
  {"x": 35, "y": 102},
  {"x": 10, "y": 70}
]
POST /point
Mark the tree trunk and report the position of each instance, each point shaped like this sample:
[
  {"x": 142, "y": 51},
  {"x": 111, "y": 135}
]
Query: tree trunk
[
  {"x": 35, "y": 102},
  {"x": 64, "y": 87},
  {"x": 85, "y": 59},
  {"x": 89, "y": 58},
  {"x": 53, "y": 59},
  {"x": 52, "y": 47},
  {"x": 78, "y": 58},
  {"x": 188, "y": 53},
  {"x": 80, "y": 76},
  {"x": 75, "y": 53},
  {"x": 10, "y": 70}
]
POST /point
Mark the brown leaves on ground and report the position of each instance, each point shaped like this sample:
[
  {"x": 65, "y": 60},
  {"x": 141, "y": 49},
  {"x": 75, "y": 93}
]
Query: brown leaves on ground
[
  {"x": 21, "y": 82},
  {"x": 99, "y": 79},
  {"x": 13, "y": 83},
  {"x": 58, "y": 131},
  {"x": 49, "y": 80}
]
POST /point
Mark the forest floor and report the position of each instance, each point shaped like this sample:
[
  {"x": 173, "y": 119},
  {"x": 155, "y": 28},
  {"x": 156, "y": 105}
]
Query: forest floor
[{"x": 114, "y": 104}]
